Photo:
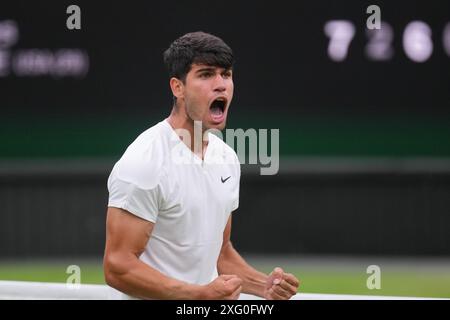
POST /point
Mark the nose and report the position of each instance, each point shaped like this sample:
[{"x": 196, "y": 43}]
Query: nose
[{"x": 219, "y": 84}]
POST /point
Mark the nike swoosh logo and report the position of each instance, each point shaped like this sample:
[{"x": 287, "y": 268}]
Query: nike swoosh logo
[{"x": 224, "y": 180}]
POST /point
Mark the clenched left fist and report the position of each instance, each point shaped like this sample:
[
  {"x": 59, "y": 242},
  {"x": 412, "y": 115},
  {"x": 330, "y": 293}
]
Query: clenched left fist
[{"x": 280, "y": 285}]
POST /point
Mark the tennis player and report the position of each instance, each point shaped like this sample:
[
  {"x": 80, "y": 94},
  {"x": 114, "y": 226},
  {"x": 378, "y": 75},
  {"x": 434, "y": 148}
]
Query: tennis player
[{"x": 170, "y": 198}]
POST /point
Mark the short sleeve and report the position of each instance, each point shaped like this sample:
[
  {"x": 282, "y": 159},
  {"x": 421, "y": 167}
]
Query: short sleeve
[
  {"x": 237, "y": 167},
  {"x": 235, "y": 204},
  {"x": 144, "y": 203}
]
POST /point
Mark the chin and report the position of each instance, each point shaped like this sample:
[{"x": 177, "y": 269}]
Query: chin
[{"x": 218, "y": 126}]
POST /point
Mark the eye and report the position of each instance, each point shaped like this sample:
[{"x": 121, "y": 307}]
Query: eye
[
  {"x": 205, "y": 74},
  {"x": 226, "y": 74}
]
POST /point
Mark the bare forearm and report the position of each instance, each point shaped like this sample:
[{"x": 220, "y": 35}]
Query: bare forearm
[
  {"x": 231, "y": 262},
  {"x": 137, "y": 279}
]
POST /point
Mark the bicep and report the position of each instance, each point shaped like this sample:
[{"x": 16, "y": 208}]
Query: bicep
[{"x": 126, "y": 234}]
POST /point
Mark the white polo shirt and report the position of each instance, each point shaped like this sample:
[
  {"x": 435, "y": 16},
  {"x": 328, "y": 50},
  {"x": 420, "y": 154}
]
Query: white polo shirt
[{"x": 159, "y": 179}]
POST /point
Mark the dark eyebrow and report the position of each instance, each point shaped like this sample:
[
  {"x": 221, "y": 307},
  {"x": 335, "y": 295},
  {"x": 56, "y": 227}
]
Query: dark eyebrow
[
  {"x": 212, "y": 69},
  {"x": 205, "y": 69}
]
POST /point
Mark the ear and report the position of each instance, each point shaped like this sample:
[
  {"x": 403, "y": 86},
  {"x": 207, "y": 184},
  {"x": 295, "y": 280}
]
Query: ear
[{"x": 177, "y": 87}]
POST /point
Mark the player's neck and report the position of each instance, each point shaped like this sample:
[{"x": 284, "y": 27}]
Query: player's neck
[{"x": 199, "y": 141}]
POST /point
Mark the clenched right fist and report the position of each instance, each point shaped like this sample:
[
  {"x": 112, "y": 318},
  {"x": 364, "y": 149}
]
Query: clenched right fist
[{"x": 224, "y": 287}]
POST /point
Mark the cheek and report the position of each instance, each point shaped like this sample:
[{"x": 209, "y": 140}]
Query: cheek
[
  {"x": 231, "y": 89},
  {"x": 196, "y": 102},
  {"x": 190, "y": 95},
  {"x": 230, "y": 85},
  {"x": 196, "y": 91}
]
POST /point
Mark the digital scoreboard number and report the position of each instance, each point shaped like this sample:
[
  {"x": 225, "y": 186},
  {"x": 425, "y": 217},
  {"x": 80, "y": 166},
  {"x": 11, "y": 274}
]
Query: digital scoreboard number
[{"x": 416, "y": 40}]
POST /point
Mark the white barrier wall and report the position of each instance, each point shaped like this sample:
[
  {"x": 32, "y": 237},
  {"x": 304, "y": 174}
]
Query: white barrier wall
[{"x": 22, "y": 290}]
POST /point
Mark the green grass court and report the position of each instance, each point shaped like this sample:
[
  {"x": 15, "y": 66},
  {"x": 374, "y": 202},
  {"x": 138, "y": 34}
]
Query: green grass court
[{"x": 394, "y": 282}]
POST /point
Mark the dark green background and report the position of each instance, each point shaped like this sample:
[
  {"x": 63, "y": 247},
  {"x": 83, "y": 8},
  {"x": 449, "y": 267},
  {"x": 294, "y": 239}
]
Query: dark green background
[{"x": 61, "y": 137}]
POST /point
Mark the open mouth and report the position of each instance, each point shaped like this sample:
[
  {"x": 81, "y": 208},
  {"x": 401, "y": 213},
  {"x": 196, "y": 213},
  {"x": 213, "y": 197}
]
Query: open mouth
[{"x": 217, "y": 107}]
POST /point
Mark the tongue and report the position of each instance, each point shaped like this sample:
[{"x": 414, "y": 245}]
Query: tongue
[{"x": 216, "y": 111}]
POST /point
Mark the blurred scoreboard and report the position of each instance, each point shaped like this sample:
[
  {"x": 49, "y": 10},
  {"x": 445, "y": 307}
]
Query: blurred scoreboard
[{"x": 309, "y": 55}]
